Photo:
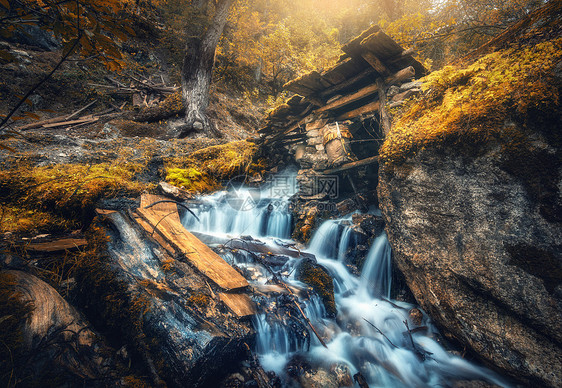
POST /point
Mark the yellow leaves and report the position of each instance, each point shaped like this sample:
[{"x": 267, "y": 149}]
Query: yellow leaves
[
  {"x": 5, "y": 4},
  {"x": 468, "y": 105}
]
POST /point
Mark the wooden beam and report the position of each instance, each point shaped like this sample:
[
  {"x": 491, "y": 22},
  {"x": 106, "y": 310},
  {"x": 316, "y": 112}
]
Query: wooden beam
[
  {"x": 375, "y": 63},
  {"x": 384, "y": 116},
  {"x": 401, "y": 75},
  {"x": 62, "y": 244},
  {"x": 239, "y": 304},
  {"x": 346, "y": 83},
  {"x": 165, "y": 220},
  {"x": 348, "y": 166},
  {"x": 353, "y": 47},
  {"x": 364, "y": 92},
  {"x": 368, "y": 90},
  {"x": 371, "y": 107},
  {"x": 381, "y": 45}
]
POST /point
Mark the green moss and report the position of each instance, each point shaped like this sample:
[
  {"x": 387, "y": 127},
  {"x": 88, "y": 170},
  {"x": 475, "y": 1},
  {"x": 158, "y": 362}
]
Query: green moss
[
  {"x": 468, "y": 107},
  {"x": 203, "y": 170},
  {"x": 191, "y": 180},
  {"x": 318, "y": 278}
]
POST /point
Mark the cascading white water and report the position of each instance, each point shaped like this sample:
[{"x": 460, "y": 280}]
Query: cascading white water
[
  {"x": 219, "y": 214},
  {"x": 376, "y": 276},
  {"x": 370, "y": 334}
]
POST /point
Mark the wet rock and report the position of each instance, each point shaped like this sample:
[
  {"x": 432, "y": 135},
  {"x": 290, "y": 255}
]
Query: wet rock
[
  {"x": 318, "y": 376},
  {"x": 321, "y": 282},
  {"x": 191, "y": 339},
  {"x": 370, "y": 224},
  {"x": 174, "y": 192},
  {"x": 477, "y": 240}
]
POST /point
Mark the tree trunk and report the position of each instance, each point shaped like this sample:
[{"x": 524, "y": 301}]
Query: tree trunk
[{"x": 198, "y": 69}]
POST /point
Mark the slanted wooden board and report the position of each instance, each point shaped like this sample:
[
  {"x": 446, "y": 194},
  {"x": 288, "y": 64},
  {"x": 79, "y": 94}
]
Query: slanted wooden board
[
  {"x": 353, "y": 47},
  {"x": 371, "y": 107},
  {"x": 348, "y": 166},
  {"x": 376, "y": 63},
  {"x": 309, "y": 83},
  {"x": 381, "y": 45},
  {"x": 62, "y": 244},
  {"x": 348, "y": 82},
  {"x": 164, "y": 218},
  {"x": 364, "y": 92},
  {"x": 344, "y": 70},
  {"x": 239, "y": 304}
]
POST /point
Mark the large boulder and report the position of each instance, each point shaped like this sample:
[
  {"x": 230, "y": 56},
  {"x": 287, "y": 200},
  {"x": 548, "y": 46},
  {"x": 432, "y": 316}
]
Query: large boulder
[
  {"x": 470, "y": 189},
  {"x": 480, "y": 258}
]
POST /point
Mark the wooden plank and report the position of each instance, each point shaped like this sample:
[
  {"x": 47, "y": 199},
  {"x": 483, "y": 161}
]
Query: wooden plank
[
  {"x": 311, "y": 81},
  {"x": 381, "y": 45},
  {"x": 285, "y": 132},
  {"x": 375, "y": 63},
  {"x": 348, "y": 166},
  {"x": 72, "y": 122},
  {"x": 168, "y": 224},
  {"x": 344, "y": 70},
  {"x": 297, "y": 88},
  {"x": 156, "y": 236},
  {"x": 62, "y": 244},
  {"x": 347, "y": 82},
  {"x": 361, "y": 93},
  {"x": 239, "y": 304},
  {"x": 371, "y": 107},
  {"x": 353, "y": 47}
]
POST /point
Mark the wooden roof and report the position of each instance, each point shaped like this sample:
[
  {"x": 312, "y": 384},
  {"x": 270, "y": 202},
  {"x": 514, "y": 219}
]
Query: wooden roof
[{"x": 343, "y": 91}]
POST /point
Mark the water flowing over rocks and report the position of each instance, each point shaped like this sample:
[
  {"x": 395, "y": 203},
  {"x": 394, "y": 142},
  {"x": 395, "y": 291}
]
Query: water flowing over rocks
[{"x": 481, "y": 253}]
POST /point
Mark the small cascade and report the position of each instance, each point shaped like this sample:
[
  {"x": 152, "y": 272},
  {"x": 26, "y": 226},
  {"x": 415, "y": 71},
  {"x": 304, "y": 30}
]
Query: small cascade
[
  {"x": 220, "y": 216},
  {"x": 369, "y": 336},
  {"x": 376, "y": 275},
  {"x": 345, "y": 240}
]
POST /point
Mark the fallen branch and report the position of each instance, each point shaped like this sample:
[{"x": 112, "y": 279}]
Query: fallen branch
[
  {"x": 177, "y": 203},
  {"x": 381, "y": 333}
]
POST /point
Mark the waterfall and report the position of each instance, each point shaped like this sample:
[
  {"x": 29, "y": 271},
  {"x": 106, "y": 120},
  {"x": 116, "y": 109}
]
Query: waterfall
[
  {"x": 376, "y": 275},
  {"x": 267, "y": 218},
  {"x": 369, "y": 335}
]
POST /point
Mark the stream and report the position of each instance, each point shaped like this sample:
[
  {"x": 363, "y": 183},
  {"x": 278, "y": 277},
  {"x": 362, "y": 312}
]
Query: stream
[{"x": 371, "y": 333}]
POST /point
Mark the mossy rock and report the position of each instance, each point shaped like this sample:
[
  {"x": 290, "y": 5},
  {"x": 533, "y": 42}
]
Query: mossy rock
[
  {"x": 321, "y": 282},
  {"x": 468, "y": 107}
]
